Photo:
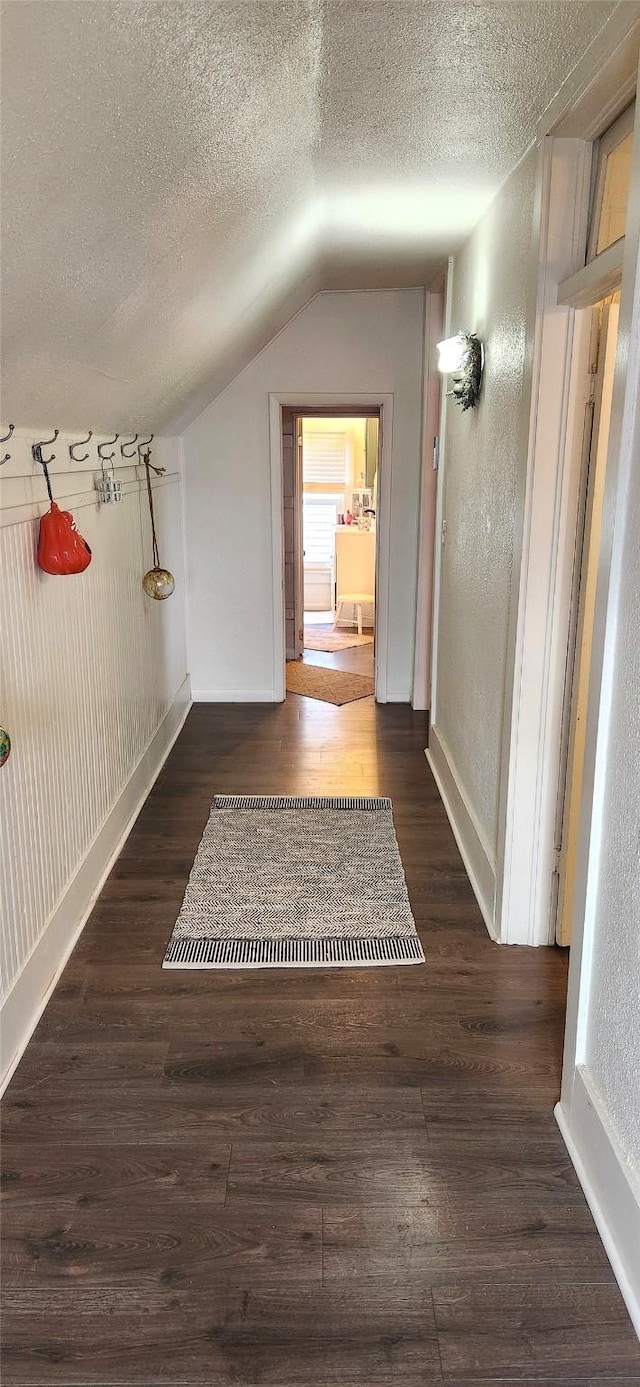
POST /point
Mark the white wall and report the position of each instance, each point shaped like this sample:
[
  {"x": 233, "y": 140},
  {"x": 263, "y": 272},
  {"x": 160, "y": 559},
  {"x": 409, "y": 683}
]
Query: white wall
[
  {"x": 601, "y": 1101},
  {"x": 350, "y": 344},
  {"x": 482, "y": 493},
  {"x": 482, "y": 468},
  {"x": 612, "y": 1033},
  {"x": 612, "y": 1039},
  {"x": 599, "y": 1113},
  {"x": 93, "y": 689}
]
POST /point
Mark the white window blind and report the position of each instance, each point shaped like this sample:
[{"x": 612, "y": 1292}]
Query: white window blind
[
  {"x": 324, "y": 459},
  {"x": 319, "y": 516}
]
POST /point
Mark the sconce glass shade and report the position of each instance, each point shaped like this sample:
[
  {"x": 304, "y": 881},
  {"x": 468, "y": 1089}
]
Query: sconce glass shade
[
  {"x": 462, "y": 357},
  {"x": 158, "y": 583},
  {"x": 452, "y": 354}
]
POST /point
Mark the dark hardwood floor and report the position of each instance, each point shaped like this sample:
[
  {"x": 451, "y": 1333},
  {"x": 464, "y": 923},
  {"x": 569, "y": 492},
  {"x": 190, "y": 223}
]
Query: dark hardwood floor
[{"x": 299, "y": 1179}]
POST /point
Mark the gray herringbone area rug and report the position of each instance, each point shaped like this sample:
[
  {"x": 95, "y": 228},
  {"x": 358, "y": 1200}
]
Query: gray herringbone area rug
[{"x": 292, "y": 882}]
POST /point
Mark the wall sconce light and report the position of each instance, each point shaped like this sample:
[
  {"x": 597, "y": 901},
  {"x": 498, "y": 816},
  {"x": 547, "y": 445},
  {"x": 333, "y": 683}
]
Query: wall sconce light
[{"x": 462, "y": 357}]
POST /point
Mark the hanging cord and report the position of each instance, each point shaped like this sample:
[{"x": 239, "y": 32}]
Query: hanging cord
[
  {"x": 149, "y": 468},
  {"x": 36, "y": 453},
  {"x": 45, "y": 469},
  {"x": 156, "y": 555}
]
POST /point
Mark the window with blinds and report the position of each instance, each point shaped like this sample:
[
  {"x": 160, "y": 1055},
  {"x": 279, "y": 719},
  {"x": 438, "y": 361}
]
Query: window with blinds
[
  {"x": 319, "y": 517},
  {"x": 324, "y": 460}
]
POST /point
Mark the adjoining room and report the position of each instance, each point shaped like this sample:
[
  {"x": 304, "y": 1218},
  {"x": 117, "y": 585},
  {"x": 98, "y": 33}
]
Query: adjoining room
[{"x": 331, "y": 646}]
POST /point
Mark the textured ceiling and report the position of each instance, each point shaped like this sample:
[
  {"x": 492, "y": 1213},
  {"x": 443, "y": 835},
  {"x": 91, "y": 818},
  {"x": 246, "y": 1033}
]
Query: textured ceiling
[{"x": 180, "y": 176}]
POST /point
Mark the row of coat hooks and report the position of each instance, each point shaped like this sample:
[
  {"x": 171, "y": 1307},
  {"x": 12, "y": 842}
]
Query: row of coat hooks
[
  {"x": 5, "y": 439},
  {"x": 36, "y": 449}
]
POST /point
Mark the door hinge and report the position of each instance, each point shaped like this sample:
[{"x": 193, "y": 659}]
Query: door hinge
[
  {"x": 436, "y": 453},
  {"x": 593, "y": 376},
  {"x": 555, "y": 902}
]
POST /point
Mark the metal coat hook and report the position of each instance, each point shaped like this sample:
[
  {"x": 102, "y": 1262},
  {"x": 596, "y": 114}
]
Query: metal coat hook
[
  {"x": 36, "y": 451},
  {"x": 146, "y": 443},
  {"x": 131, "y": 442},
  {"x": 79, "y": 444},
  {"x": 107, "y": 442},
  {"x": 5, "y": 439},
  {"x": 146, "y": 459},
  {"x": 159, "y": 471}
]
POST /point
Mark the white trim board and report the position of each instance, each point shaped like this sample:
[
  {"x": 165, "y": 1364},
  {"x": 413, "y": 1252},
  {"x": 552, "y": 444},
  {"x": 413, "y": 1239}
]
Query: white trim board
[
  {"x": 602, "y": 82},
  {"x": 440, "y": 481},
  {"x": 81, "y": 500},
  {"x": 234, "y": 696},
  {"x": 31, "y": 991},
  {"x": 431, "y": 411},
  {"x": 473, "y": 851},
  {"x": 609, "y": 1186},
  {"x": 595, "y": 280},
  {"x": 383, "y": 402}
]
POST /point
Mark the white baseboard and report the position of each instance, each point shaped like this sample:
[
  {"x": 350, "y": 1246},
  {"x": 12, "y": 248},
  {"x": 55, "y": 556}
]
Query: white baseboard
[
  {"x": 233, "y": 696},
  {"x": 472, "y": 850},
  {"x": 611, "y": 1189},
  {"x": 31, "y": 991}
]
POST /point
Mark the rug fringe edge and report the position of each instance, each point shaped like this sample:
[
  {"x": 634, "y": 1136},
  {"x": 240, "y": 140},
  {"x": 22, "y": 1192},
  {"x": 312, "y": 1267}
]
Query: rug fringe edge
[
  {"x": 302, "y": 802},
  {"x": 293, "y": 953},
  {"x": 331, "y": 963}
]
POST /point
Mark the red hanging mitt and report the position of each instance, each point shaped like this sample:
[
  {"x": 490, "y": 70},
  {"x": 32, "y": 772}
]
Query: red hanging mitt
[{"x": 60, "y": 548}]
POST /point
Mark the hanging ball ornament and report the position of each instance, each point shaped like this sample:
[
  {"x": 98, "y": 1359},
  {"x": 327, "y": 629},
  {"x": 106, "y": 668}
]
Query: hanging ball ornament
[
  {"x": 5, "y": 746},
  {"x": 158, "y": 583}
]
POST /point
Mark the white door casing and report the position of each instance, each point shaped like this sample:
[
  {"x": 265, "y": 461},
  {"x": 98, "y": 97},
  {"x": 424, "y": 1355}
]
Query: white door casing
[
  {"x": 431, "y": 400},
  {"x": 526, "y": 859},
  {"x": 309, "y": 400}
]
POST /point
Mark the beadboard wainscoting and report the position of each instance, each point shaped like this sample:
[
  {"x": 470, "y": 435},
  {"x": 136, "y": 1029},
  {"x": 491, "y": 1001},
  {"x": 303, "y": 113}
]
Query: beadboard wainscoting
[{"x": 94, "y": 690}]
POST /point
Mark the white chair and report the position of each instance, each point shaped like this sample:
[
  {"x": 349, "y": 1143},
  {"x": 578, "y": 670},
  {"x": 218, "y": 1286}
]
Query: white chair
[{"x": 355, "y": 572}]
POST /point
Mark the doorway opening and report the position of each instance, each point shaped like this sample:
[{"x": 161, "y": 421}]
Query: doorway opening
[
  {"x": 601, "y": 323},
  {"x": 331, "y": 506},
  {"x": 588, "y": 207},
  {"x": 597, "y": 316}
]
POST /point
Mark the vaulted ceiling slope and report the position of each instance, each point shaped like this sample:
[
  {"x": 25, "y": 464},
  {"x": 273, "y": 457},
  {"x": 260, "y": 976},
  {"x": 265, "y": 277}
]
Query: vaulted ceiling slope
[{"x": 180, "y": 176}]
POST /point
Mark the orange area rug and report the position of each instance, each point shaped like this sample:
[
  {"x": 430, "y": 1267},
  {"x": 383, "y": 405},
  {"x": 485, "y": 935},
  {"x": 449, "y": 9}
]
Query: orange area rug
[{"x": 330, "y": 685}]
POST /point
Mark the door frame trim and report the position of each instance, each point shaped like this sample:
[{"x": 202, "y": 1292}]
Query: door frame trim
[
  {"x": 331, "y": 403},
  {"x": 589, "y": 547},
  {"x": 439, "y": 511},
  {"x": 434, "y": 309},
  {"x": 540, "y": 615}
]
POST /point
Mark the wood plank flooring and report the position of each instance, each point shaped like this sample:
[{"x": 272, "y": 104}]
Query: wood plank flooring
[
  {"x": 349, "y": 1178},
  {"x": 357, "y": 659}
]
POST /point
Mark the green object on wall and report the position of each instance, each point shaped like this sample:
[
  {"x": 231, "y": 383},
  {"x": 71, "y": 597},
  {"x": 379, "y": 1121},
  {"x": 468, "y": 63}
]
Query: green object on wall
[{"x": 5, "y": 746}]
